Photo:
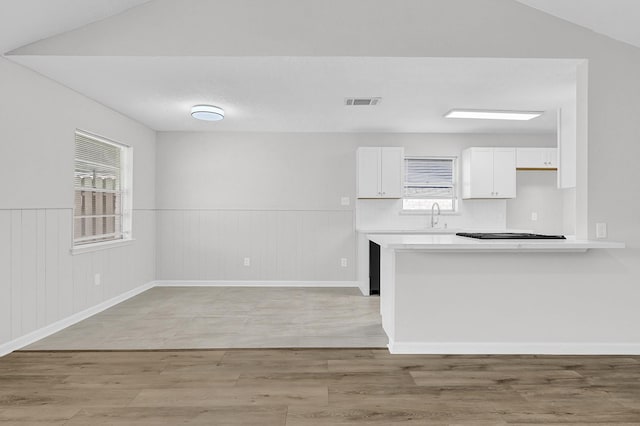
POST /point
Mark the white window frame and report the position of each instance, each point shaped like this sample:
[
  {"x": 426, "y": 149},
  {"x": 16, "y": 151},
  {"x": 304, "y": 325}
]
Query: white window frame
[
  {"x": 126, "y": 197},
  {"x": 454, "y": 199}
]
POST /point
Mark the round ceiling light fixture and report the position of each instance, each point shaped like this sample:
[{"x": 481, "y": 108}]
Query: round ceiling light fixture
[{"x": 207, "y": 112}]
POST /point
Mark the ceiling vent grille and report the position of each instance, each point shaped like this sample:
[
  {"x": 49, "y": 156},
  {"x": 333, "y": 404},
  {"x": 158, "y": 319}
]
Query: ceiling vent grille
[{"x": 362, "y": 101}]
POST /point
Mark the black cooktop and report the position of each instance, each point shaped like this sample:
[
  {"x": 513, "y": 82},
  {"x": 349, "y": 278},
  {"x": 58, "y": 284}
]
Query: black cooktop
[{"x": 509, "y": 236}]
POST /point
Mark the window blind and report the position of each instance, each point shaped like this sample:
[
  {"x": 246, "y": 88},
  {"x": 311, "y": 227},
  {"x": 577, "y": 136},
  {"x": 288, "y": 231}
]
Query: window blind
[
  {"x": 429, "y": 178},
  {"x": 98, "y": 190}
]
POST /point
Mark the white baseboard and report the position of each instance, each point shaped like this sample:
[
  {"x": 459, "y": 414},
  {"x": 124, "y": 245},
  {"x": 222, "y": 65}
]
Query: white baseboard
[
  {"x": 364, "y": 287},
  {"x": 48, "y": 330},
  {"x": 420, "y": 348},
  {"x": 232, "y": 283}
]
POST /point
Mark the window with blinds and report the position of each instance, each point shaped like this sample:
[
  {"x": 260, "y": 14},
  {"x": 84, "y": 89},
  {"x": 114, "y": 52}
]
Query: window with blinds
[
  {"x": 428, "y": 181},
  {"x": 99, "y": 172}
]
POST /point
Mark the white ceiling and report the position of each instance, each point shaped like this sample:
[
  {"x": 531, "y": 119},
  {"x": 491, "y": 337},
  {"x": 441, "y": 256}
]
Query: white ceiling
[
  {"x": 304, "y": 94},
  {"x": 27, "y": 21},
  {"x": 618, "y": 19}
]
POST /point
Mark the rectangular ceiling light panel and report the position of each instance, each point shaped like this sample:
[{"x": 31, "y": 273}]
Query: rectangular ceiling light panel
[
  {"x": 362, "y": 101},
  {"x": 493, "y": 114}
]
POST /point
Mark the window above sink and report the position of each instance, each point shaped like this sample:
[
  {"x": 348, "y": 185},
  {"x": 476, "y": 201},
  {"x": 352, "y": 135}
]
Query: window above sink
[{"x": 429, "y": 180}]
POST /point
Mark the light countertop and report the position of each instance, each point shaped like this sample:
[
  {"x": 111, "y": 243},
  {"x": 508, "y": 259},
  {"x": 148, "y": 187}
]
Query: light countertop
[
  {"x": 410, "y": 231},
  {"x": 447, "y": 242},
  {"x": 436, "y": 230}
]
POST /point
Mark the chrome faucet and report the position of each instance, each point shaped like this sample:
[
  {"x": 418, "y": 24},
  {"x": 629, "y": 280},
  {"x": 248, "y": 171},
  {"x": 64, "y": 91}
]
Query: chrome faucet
[{"x": 435, "y": 222}]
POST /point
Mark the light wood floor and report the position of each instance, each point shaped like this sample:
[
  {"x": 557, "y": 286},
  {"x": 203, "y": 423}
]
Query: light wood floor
[
  {"x": 315, "y": 387},
  {"x": 229, "y": 317}
]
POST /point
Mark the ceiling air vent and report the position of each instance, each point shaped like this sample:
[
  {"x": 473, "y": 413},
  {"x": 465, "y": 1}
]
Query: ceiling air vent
[{"x": 362, "y": 101}]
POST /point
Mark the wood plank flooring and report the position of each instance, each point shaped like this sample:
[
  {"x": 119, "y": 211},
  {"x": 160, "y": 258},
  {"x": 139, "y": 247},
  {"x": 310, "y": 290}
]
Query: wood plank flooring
[{"x": 314, "y": 387}]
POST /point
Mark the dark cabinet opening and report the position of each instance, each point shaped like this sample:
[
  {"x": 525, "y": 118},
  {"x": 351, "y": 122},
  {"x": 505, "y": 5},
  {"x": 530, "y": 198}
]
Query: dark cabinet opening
[{"x": 374, "y": 268}]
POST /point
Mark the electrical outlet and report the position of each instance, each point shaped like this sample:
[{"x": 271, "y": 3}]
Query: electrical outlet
[
  {"x": 601, "y": 230},
  {"x": 96, "y": 279},
  {"x": 345, "y": 201},
  {"x": 247, "y": 261},
  {"x": 534, "y": 216},
  {"x": 343, "y": 262}
]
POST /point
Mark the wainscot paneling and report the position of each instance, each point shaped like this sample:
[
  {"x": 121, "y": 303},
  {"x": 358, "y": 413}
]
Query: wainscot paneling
[
  {"x": 282, "y": 245},
  {"x": 41, "y": 282},
  {"x": 5, "y": 275}
]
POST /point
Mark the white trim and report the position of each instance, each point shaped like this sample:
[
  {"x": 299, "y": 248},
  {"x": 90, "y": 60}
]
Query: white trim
[
  {"x": 427, "y": 212},
  {"x": 43, "y": 332},
  {"x": 363, "y": 286},
  {"x": 102, "y": 245},
  {"x": 100, "y": 138},
  {"x": 126, "y": 187},
  {"x": 540, "y": 348},
  {"x": 231, "y": 283}
]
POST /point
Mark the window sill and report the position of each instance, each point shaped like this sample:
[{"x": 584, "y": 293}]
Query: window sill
[
  {"x": 88, "y": 248},
  {"x": 427, "y": 213}
]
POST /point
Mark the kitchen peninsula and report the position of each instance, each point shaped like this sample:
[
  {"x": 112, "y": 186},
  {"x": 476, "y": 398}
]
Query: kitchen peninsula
[{"x": 442, "y": 293}]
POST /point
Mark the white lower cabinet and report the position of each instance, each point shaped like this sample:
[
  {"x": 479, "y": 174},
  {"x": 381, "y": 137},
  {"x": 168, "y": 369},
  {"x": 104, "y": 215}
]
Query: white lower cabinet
[
  {"x": 488, "y": 173},
  {"x": 380, "y": 172},
  {"x": 537, "y": 158}
]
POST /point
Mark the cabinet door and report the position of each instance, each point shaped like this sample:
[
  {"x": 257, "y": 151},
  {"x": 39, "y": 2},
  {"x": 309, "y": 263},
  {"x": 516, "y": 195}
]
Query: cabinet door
[
  {"x": 481, "y": 173},
  {"x": 391, "y": 172},
  {"x": 551, "y": 158},
  {"x": 536, "y": 158},
  {"x": 504, "y": 173},
  {"x": 368, "y": 165},
  {"x": 530, "y": 158}
]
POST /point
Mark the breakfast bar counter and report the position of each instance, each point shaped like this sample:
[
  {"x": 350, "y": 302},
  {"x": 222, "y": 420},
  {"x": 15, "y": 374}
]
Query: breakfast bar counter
[
  {"x": 442, "y": 242},
  {"x": 443, "y": 293}
]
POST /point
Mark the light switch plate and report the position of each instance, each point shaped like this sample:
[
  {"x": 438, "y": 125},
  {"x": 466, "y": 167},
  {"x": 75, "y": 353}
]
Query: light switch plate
[
  {"x": 343, "y": 262},
  {"x": 534, "y": 216},
  {"x": 247, "y": 261},
  {"x": 601, "y": 230},
  {"x": 345, "y": 201}
]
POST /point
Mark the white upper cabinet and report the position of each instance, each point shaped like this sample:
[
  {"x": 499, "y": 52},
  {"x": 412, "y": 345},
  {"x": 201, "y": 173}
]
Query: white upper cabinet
[
  {"x": 380, "y": 172},
  {"x": 391, "y": 179},
  {"x": 504, "y": 173},
  {"x": 537, "y": 158},
  {"x": 489, "y": 173},
  {"x": 368, "y": 165},
  {"x": 477, "y": 180}
]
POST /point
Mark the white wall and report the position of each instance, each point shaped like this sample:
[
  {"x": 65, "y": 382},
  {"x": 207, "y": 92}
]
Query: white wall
[
  {"x": 40, "y": 281},
  {"x": 275, "y": 198},
  {"x": 537, "y": 191},
  {"x": 569, "y": 216},
  {"x": 300, "y": 171},
  {"x": 272, "y": 197}
]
